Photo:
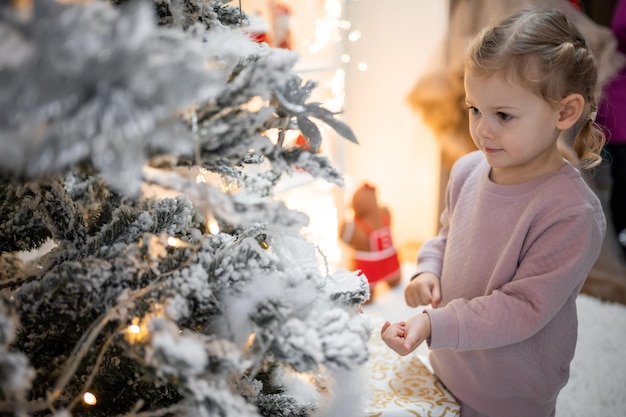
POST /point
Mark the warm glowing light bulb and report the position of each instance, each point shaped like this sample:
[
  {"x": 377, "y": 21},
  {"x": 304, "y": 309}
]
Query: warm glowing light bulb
[
  {"x": 250, "y": 340},
  {"x": 354, "y": 36},
  {"x": 362, "y": 66},
  {"x": 345, "y": 58},
  {"x": 89, "y": 398},
  {"x": 229, "y": 185},
  {"x": 174, "y": 242},
  {"x": 214, "y": 227},
  {"x": 137, "y": 332}
]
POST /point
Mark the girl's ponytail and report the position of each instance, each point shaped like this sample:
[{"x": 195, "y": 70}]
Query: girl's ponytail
[{"x": 589, "y": 143}]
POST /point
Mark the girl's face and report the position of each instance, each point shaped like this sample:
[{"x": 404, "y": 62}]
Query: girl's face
[{"x": 515, "y": 129}]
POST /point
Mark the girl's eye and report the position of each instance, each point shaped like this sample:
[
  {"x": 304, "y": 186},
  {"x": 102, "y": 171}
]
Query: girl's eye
[
  {"x": 473, "y": 110},
  {"x": 504, "y": 116}
]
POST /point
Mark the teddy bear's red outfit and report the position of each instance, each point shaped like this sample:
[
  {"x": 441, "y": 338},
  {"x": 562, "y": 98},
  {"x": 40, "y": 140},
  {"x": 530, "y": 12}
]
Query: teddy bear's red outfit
[{"x": 381, "y": 263}]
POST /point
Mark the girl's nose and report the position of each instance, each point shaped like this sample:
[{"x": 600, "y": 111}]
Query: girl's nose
[{"x": 483, "y": 129}]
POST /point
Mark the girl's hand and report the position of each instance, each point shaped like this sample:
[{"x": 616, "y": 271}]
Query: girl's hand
[
  {"x": 423, "y": 290},
  {"x": 405, "y": 337}
]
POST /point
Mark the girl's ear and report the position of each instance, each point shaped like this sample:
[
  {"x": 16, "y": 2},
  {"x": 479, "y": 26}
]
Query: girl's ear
[{"x": 572, "y": 107}]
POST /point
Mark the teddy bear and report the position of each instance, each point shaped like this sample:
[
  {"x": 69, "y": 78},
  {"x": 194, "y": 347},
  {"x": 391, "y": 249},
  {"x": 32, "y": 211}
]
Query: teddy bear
[{"x": 369, "y": 235}]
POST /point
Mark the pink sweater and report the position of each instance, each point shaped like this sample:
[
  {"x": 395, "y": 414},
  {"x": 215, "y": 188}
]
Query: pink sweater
[{"x": 512, "y": 260}]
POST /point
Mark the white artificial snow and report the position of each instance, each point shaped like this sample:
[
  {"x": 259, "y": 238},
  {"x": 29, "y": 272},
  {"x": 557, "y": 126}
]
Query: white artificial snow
[
  {"x": 177, "y": 307},
  {"x": 345, "y": 394},
  {"x": 176, "y": 354},
  {"x": 17, "y": 375},
  {"x": 298, "y": 385}
]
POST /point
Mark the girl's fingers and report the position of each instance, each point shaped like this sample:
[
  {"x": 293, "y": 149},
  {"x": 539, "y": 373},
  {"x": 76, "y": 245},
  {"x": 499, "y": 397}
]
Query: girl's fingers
[{"x": 436, "y": 297}]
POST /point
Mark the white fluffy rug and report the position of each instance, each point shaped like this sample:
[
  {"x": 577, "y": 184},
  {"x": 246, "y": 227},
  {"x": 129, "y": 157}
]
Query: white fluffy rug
[{"x": 597, "y": 385}]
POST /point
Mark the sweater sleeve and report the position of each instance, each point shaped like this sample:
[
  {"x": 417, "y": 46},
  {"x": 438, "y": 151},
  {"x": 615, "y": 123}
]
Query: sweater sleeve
[
  {"x": 552, "y": 270},
  {"x": 430, "y": 257}
]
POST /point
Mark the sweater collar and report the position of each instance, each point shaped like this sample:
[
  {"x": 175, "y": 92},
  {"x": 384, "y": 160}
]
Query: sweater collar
[{"x": 511, "y": 190}]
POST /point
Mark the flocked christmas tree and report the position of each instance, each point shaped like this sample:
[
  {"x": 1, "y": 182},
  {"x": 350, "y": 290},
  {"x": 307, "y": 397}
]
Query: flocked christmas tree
[{"x": 140, "y": 305}]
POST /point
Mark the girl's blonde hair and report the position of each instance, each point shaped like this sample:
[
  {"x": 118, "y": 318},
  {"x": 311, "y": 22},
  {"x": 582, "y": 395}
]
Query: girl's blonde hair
[{"x": 543, "y": 51}]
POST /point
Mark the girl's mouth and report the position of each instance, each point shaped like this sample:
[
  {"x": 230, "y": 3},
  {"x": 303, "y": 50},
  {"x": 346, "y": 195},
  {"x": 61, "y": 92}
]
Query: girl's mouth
[{"x": 491, "y": 150}]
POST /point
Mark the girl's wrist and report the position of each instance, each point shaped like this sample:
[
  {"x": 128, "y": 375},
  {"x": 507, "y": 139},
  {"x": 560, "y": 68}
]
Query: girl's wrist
[{"x": 428, "y": 327}]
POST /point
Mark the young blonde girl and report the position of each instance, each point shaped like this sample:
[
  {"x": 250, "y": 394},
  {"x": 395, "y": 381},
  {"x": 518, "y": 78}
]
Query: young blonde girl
[{"x": 521, "y": 229}]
